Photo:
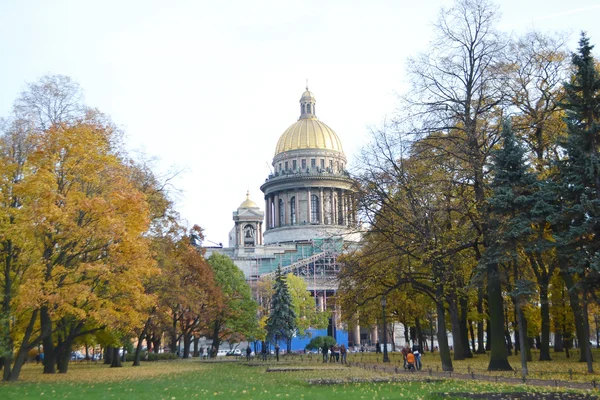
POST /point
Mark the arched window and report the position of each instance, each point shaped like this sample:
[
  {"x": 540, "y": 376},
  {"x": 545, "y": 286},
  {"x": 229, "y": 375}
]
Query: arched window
[
  {"x": 315, "y": 211},
  {"x": 303, "y": 109},
  {"x": 308, "y": 108},
  {"x": 293, "y": 210},
  {"x": 281, "y": 213}
]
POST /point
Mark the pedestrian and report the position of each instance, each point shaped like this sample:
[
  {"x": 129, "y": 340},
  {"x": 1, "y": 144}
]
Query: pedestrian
[
  {"x": 405, "y": 351},
  {"x": 410, "y": 361},
  {"x": 248, "y": 352},
  {"x": 325, "y": 351},
  {"x": 201, "y": 352},
  {"x": 277, "y": 351},
  {"x": 378, "y": 347},
  {"x": 343, "y": 352},
  {"x": 264, "y": 351},
  {"x": 37, "y": 358}
]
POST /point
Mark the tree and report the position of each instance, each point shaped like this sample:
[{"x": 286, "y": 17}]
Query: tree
[
  {"x": 579, "y": 185},
  {"x": 237, "y": 316},
  {"x": 281, "y": 323},
  {"x": 303, "y": 304},
  {"x": 457, "y": 91},
  {"x": 515, "y": 207}
]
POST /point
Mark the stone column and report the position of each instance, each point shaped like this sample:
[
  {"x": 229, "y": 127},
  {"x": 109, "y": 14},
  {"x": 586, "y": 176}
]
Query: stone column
[
  {"x": 267, "y": 211},
  {"x": 374, "y": 335},
  {"x": 276, "y": 208},
  {"x": 356, "y": 334},
  {"x": 321, "y": 206},
  {"x": 308, "y": 206}
]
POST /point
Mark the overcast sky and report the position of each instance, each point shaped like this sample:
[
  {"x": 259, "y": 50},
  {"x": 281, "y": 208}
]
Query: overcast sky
[{"x": 207, "y": 87}]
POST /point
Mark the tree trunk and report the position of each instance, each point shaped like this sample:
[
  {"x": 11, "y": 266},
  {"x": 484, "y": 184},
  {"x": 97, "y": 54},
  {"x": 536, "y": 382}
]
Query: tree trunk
[
  {"x": 472, "y": 332},
  {"x": 63, "y": 356},
  {"x": 116, "y": 360},
  {"x": 441, "y": 334},
  {"x": 488, "y": 331},
  {"x": 508, "y": 342},
  {"x": 26, "y": 345},
  {"x": 138, "y": 348},
  {"x": 545, "y": 313},
  {"x": 480, "y": 331},
  {"x": 586, "y": 327},
  {"x": 187, "y": 342},
  {"x": 49, "y": 351},
  {"x": 498, "y": 356},
  {"x": 216, "y": 341},
  {"x": 459, "y": 352},
  {"x": 108, "y": 355},
  {"x": 464, "y": 333},
  {"x": 196, "y": 346},
  {"x": 522, "y": 339},
  {"x": 577, "y": 311}
]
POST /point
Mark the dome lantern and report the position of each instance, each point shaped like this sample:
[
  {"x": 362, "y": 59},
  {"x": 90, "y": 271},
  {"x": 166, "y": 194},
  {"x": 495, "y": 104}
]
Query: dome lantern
[{"x": 307, "y": 105}]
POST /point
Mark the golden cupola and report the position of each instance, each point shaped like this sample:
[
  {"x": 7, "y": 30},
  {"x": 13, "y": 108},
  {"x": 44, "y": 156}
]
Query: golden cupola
[{"x": 308, "y": 133}]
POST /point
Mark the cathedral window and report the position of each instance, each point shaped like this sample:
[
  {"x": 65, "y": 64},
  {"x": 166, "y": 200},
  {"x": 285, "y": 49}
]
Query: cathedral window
[
  {"x": 315, "y": 211},
  {"x": 281, "y": 213},
  {"x": 303, "y": 109},
  {"x": 286, "y": 165},
  {"x": 303, "y": 164},
  {"x": 293, "y": 210},
  {"x": 308, "y": 108},
  {"x": 294, "y": 165},
  {"x": 313, "y": 163},
  {"x": 331, "y": 165},
  {"x": 322, "y": 163}
]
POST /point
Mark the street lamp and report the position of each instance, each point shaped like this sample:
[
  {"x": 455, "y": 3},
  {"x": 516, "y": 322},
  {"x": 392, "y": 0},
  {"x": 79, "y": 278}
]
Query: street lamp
[{"x": 385, "y": 352}]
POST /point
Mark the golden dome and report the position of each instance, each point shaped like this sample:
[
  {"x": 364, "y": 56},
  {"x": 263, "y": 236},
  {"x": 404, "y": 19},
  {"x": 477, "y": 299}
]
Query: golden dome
[
  {"x": 308, "y": 134},
  {"x": 248, "y": 203}
]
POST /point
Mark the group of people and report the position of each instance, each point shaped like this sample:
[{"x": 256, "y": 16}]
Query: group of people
[
  {"x": 412, "y": 357},
  {"x": 334, "y": 353}
]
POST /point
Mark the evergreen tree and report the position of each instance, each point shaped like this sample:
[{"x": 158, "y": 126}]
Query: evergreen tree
[
  {"x": 580, "y": 185},
  {"x": 281, "y": 323},
  {"x": 513, "y": 214}
]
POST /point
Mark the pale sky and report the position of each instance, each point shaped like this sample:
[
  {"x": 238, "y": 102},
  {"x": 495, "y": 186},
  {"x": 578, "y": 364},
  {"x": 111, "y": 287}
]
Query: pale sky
[{"x": 208, "y": 87}]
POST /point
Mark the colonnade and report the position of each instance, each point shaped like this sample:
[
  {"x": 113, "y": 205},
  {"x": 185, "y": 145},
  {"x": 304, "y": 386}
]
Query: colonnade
[{"x": 322, "y": 206}]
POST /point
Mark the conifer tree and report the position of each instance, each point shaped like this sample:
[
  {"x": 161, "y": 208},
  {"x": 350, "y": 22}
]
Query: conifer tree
[
  {"x": 580, "y": 185},
  {"x": 513, "y": 213},
  {"x": 281, "y": 323}
]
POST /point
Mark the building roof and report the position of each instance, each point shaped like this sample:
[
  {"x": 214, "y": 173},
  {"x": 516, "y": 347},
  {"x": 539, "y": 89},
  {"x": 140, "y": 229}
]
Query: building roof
[
  {"x": 248, "y": 203},
  {"x": 308, "y": 132}
]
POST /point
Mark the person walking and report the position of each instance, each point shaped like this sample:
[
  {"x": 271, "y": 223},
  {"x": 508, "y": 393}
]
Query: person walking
[
  {"x": 277, "y": 351},
  {"x": 248, "y": 352},
  {"x": 377, "y": 348},
  {"x": 264, "y": 351},
  {"x": 343, "y": 352},
  {"x": 325, "y": 351}
]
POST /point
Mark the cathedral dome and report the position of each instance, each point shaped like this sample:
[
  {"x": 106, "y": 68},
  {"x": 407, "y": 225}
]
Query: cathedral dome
[
  {"x": 248, "y": 203},
  {"x": 308, "y": 132}
]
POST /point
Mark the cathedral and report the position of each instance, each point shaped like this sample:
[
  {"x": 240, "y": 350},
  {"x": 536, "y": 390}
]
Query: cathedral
[{"x": 309, "y": 214}]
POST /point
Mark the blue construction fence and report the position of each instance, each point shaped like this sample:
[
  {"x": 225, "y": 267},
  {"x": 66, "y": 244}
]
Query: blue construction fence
[{"x": 300, "y": 342}]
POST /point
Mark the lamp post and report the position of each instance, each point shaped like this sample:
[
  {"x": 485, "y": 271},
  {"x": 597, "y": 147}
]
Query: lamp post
[{"x": 385, "y": 351}]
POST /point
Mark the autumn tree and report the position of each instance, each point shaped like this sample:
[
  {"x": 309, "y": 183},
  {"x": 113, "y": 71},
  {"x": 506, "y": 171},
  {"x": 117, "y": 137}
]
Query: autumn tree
[
  {"x": 457, "y": 92},
  {"x": 304, "y": 306}
]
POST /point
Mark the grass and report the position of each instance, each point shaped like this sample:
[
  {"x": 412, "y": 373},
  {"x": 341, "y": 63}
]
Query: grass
[
  {"x": 560, "y": 368},
  {"x": 197, "y": 380}
]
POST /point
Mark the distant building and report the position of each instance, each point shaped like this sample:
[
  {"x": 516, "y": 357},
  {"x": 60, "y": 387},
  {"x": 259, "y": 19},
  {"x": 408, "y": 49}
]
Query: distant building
[{"x": 310, "y": 213}]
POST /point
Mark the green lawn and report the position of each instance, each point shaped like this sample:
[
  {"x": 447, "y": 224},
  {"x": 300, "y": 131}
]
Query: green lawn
[{"x": 193, "y": 379}]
